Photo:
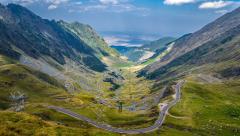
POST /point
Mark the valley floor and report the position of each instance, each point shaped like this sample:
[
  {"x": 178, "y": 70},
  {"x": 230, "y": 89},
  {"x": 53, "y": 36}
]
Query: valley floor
[
  {"x": 204, "y": 108},
  {"x": 42, "y": 90}
]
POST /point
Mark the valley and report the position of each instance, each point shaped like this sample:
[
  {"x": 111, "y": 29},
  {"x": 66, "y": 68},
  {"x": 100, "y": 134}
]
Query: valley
[{"x": 61, "y": 78}]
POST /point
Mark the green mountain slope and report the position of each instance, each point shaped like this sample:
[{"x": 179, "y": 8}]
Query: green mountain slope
[
  {"x": 221, "y": 50},
  {"x": 219, "y": 57},
  {"x": 36, "y": 85},
  {"x": 159, "y": 44},
  {"x": 40, "y": 90},
  {"x": 133, "y": 54},
  {"x": 192, "y": 41},
  {"x": 70, "y": 66},
  {"x": 205, "y": 109},
  {"x": 208, "y": 61},
  {"x": 37, "y": 37},
  {"x": 149, "y": 51},
  {"x": 73, "y": 54},
  {"x": 87, "y": 34}
]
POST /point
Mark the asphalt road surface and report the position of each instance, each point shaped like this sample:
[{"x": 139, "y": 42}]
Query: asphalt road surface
[{"x": 158, "y": 123}]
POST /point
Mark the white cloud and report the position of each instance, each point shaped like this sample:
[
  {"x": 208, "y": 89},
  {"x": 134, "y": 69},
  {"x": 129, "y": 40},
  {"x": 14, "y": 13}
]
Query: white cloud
[
  {"x": 90, "y": 8},
  {"x": 116, "y": 6},
  {"x": 56, "y": 1},
  {"x": 24, "y": 2},
  {"x": 215, "y": 4},
  {"x": 50, "y": 7},
  {"x": 114, "y": 2},
  {"x": 177, "y": 2},
  {"x": 53, "y": 4},
  {"x": 113, "y": 6}
]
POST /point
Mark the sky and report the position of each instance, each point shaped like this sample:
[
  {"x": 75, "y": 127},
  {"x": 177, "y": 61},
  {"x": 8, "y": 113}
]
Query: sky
[{"x": 147, "y": 17}]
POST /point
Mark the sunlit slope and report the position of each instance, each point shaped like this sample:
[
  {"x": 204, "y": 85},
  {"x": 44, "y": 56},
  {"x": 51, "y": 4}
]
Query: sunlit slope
[
  {"x": 37, "y": 86},
  {"x": 218, "y": 29},
  {"x": 158, "y": 45},
  {"x": 147, "y": 51},
  {"x": 219, "y": 57},
  {"x": 42, "y": 90},
  {"x": 206, "y": 109},
  {"x": 23, "y": 31},
  {"x": 87, "y": 34},
  {"x": 101, "y": 49}
]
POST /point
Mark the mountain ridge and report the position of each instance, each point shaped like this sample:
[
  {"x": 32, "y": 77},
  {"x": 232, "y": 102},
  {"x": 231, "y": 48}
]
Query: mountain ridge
[
  {"x": 190, "y": 42},
  {"x": 36, "y": 37},
  {"x": 146, "y": 51},
  {"x": 47, "y": 63}
]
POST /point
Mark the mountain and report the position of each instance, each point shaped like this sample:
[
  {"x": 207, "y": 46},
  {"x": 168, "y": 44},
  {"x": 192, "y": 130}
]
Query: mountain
[
  {"x": 45, "y": 63},
  {"x": 132, "y": 53},
  {"x": 215, "y": 44},
  {"x": 209, "y": 63},
  {"x": 87, "y": 34},
  {"x": 37, "y": 37},
  {"x": 159, "y": 44},
  {"x": 147, "y": 51},
  {"x": 60, "y": 78},
  {"x": 56, "y": 48}
]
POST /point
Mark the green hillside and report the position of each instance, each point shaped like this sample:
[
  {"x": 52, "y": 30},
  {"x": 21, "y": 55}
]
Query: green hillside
[
  {"x": 206, "y": 109},
  {"x": 87, "y": 34},
  {"x": 42, "y": 90},
  {"x": 208, "y": 59},
  {"x": 159, "y": 44},
  {"x": 210, "y": 32},
  {"x": 171, "y": 87},
  {"x": 147, "y": 53}
]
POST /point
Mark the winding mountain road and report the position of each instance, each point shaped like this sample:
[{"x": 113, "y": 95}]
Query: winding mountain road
[{"x": 158, "y": 123}]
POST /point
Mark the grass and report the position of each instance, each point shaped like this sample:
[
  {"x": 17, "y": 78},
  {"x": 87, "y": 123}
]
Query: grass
[
  {"x": 17, "y": 77},
  {"x": 138, "y": 67},
  {"x": 211, "y": 109},
  {"x": 152, "y": 60},
  {"x": 42, "y": 90},
  {"x": 115, "y": 62},
  {"x": 15, "y": 124},
  {"x": 133, "y": 90},
  {"x": 14, "y": 77},
  {"x": 208, "y": 108}
]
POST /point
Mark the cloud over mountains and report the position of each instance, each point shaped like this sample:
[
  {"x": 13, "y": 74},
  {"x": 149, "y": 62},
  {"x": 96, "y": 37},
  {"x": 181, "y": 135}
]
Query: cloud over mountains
[
  {"x": 177, "y": 2},
  {"x": 215, "y": 4},
  {"x": 120, "y": 5}
]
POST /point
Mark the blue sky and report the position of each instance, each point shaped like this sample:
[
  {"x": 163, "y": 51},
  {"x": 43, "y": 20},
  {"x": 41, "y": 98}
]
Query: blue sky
[{"x": 161, "y": 17}]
